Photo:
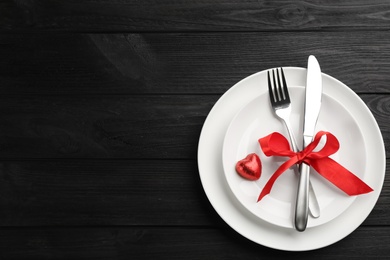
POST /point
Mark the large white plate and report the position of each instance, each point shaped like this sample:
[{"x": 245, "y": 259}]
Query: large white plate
[
  {"x": 256, "y": 229},
  {"x": 256, "y": 120}
]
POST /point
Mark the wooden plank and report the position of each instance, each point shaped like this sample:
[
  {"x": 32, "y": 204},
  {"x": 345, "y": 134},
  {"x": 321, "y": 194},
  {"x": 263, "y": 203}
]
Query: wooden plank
[
  {"x": 183, "y": 63},
  {"x": 199, "y": 15},
  {"x": 102, "y": 126},
  {"x": 116, "y": 193},
  {"x": 100, "y": 192},
  {"x": 173, "y": 243},
  {"x": 117, "y": 126}
]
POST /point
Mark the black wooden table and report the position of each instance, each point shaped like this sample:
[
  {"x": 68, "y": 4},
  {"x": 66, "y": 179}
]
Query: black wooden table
[{"x": 102, "y": 104}]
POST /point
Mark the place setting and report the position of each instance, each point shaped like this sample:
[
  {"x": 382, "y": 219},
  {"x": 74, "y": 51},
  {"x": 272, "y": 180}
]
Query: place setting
[{"x": 291, "y": 158}]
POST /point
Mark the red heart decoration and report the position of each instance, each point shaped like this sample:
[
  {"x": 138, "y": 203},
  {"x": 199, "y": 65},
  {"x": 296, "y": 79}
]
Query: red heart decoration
[{"x": 249, "y": 167}]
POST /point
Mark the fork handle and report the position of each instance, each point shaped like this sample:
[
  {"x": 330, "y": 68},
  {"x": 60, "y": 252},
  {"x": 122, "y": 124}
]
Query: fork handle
[
  {"x": 302, "y": 204},
  {"x": 293, "y": 142}
]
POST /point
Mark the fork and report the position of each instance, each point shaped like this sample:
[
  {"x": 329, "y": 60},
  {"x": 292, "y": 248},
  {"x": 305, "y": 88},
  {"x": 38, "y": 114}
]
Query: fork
[{"x": 280, "y": 102}]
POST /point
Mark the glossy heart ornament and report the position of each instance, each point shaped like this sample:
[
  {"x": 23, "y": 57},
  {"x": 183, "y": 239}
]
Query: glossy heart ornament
[{"x": 249, "y": 167}]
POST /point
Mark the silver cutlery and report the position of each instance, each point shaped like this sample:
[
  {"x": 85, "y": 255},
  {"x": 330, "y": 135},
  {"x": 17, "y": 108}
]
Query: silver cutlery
[
  {"x": 280, "y": 102},
  {"x": 313, "y": 95}
]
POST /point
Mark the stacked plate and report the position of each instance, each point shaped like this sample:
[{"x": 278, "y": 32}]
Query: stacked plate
[{"x": 231, "y": 131}]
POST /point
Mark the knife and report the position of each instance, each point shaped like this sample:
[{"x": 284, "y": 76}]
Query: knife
[{"x": 312, "y": 109}]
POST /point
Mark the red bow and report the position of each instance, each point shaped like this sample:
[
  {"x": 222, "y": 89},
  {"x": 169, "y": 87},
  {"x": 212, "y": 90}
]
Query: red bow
[{"x": 276, "y": 144}]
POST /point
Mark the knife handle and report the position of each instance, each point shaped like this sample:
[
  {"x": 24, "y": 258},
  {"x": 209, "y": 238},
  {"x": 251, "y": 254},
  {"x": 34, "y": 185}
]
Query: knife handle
[
  {"x": 302, "y": 204},
  {"x": 314, "y": 207}
]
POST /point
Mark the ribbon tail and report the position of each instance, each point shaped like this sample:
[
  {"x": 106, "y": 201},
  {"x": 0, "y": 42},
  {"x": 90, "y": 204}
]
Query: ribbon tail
[
  {"x": 282, "y": 168},
  {"x": 340, "y": 176}
]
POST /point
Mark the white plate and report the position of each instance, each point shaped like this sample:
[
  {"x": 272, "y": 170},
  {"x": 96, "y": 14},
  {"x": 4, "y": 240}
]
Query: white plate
[
  {"x": 256, "y": 120},
  {"x": 256, "y": 229}
]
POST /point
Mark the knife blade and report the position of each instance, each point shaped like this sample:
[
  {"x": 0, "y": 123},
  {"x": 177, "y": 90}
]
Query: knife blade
[{"x": 313, "y": 96}]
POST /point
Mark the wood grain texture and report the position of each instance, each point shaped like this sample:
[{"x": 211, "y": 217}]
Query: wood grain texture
[
  {"x": 199, "y": 15},
  {"x": 173, "y": 243},
  {"x": 183, "y": 63},
  {"x": 114, "y": 126},
  {"x": 60, "y": 193},
  {"x": 102, "y": 192},
  {"x": 162, "y": 126}
]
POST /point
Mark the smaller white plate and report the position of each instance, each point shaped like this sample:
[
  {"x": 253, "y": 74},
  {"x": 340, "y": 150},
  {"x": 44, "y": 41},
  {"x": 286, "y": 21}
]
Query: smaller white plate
[{"x": 257, "y": 119}]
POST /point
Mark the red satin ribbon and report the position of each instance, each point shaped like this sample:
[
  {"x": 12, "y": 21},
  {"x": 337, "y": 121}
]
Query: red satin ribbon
[{"x": 276, "y": 144}]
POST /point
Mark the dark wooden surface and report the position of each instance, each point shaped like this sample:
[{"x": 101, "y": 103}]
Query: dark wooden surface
[{"x": 102, "y": 103}]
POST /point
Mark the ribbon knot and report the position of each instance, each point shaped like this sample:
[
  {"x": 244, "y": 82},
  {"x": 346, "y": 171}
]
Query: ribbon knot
[
  {"x": 300, "y": 157},
  {"x": 276, "y": 144}
]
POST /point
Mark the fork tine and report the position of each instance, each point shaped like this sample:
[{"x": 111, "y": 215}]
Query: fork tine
[
  {"x": 276, "y": 87},
  {"x": 270, "y": 90},
  {"x": 285, "y": 90},
  {"x": 280, "y": 86}
]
